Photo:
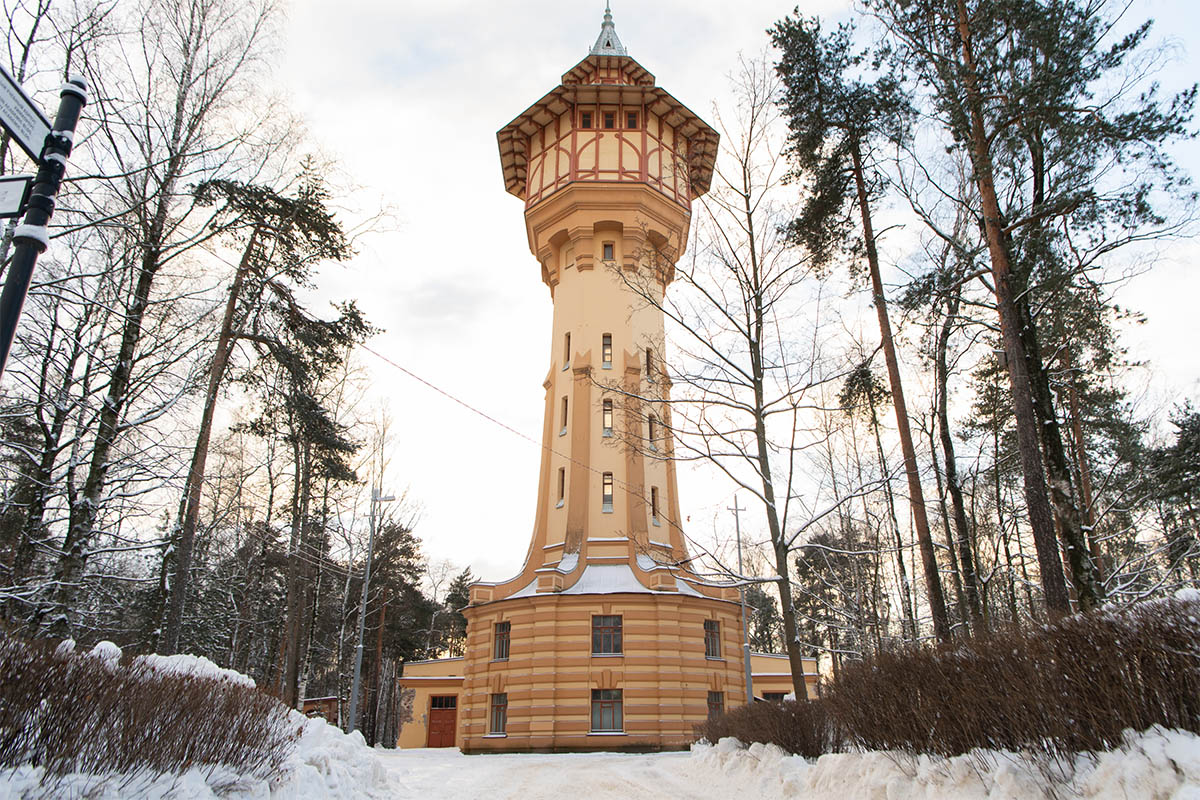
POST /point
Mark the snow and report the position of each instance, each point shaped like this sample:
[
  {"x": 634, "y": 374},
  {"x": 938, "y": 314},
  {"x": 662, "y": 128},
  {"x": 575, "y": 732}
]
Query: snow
[
  {"x": 192, "y": 666},
  {"x": 1157, "y": 764},
  {"x": 326, "y": 765},
  {"x": 37, "y": 233},
  {"x": 1188, "y": 595}
]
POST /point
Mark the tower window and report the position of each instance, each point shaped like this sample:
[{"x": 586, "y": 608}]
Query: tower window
[
  {"x": 499, "y": 719},
  {"x": 716, "y": 704},
  {"x": 606, "y": 635},
  {"x": 610, "y": 119},
  {"x": 585, "y": 119},
  {"x": 607, "y": 418},
  {"x": 566, "y": 350},
  {"x": 631, "y": 119},
  {"x": 606, "y": 351},
  {"x": 712, "y": 638},
  {"x": 606, "y": 493},
  {"x": 654, "y": 504},
  {"x": 652, "y": 433},
  {"x": 564, "y": 417},
  {"x": 609, "y": 251},
  {"x": 649, "y": 364},
  {"x": 500, "y": 641},
  {"x": 562, "y": 485},
  {"x": 606, "y": 710}
]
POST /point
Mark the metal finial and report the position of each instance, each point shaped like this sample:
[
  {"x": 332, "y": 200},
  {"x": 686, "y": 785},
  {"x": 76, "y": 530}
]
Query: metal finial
[{"x": 608, "y": 44}]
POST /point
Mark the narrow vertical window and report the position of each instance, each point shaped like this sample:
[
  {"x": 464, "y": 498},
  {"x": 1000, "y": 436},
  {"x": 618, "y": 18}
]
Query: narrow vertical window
[
  {"x": 712, "y": 638},
  {"x": 564, "y": 416},
  {"x": 606, "y": 351},
  {"x": 566, "y": 350},
  {"x": 606, "y": 710},
  {"x": 654, "y": 504},
  {"x": 606, "y": 496},
  {"x": 631, "y": 119},
  {"x": 585, "y": 119},
  {"x": 609, "y": 250},
  {"x": 716, "y": 704},
  {"x": 562, "y": 485},
  {"x": 607, "y": 418},
  {"x": 500, "y": 641},
  {"x": 652, "y": 432},
  {"x": 610, "y": 119},
  {"x": 499, "y": 716},
  {"x": 649, "y": 364}
]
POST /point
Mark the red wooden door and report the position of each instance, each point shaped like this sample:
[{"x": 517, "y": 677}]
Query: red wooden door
[{"x": 443, "y": 719}]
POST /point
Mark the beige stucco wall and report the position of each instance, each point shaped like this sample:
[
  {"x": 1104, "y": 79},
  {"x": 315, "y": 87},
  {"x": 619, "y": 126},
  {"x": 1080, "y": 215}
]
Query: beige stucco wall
[
  {"x": 424, "y": 679},
  {"x": 663, "y": 672},
  {"x": 770, "y": 672}
]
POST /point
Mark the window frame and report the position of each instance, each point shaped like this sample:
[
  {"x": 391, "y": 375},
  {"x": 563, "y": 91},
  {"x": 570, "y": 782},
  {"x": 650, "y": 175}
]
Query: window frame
[
  {"x": 562, "y": 486},
  {"x": 716, "y": 704},
  {"x": 566, "y": 350},
  {"x": 606, "y": 418},
  {"x": 651, "y": 433},
  {"x": 608, "y": 632},
  {"x": 712, "y": 639},
  {"x": 585, "y": 120},
  {"x": 631, "y": 120},
  {"x": 608, "y": 120},
  {"x": 434, "y": 704},
  {"x": 654, "y": 505},
  {"x": 565, "y": 408},
  {"x": 608, "y": 251},
  {"x": 498, "y": 716},
  {"x": 612, "y": 701},
  {"x": 606, "y": 350},
  {"x": 501, "y": 640},
  {"x": 606, "y": 492}
]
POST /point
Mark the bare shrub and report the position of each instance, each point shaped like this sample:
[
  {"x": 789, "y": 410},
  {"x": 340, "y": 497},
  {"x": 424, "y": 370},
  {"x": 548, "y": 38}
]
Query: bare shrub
[
  {"x": 804, "y": 729},
  {"x": 71, "y": 713},
  {"x": 1070, "y": 687}
]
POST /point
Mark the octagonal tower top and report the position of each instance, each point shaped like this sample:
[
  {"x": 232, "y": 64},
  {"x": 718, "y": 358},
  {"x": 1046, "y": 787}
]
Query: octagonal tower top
[{"x": 608, "y": 122}]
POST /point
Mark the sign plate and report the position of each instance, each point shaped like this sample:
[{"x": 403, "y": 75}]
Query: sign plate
[
  {"x": 13, "y": 191},
  {"x": 21, "y": 117}
]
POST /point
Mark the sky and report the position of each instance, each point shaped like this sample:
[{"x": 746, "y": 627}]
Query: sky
[{"x": 406, "y": 99}]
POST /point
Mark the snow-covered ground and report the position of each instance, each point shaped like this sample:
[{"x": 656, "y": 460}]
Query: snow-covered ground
[{"x": 1155, "y": 765}]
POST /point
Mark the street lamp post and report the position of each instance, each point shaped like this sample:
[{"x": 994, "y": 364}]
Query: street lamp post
[
  {"x": 362, "y": 608},
  {"x": 737, "y": 524}
]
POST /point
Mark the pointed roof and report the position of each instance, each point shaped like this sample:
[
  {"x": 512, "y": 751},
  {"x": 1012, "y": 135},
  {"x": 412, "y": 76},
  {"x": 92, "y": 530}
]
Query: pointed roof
[{"x": 608, "y": 44}]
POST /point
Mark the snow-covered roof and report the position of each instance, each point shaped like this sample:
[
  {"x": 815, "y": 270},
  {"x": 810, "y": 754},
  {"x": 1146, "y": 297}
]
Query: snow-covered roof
[{"x": 607, "y": 579}]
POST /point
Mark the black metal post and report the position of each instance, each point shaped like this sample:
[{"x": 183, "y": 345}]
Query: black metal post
[{"x": 32, "y": 237}]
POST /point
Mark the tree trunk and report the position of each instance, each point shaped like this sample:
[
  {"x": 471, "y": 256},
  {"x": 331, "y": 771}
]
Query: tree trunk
[
  {"x": 966, "y": 558},
  {"x": 909, "y": 625},
  {"x": 1041, "y": 517},
  {"x": 933, "y": 582},
  {"x": 193, "y": 486}
]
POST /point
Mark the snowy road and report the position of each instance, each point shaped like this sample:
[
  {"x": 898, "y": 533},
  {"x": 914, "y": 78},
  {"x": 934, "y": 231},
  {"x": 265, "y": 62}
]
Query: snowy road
[{"x": 434, "y": 774}]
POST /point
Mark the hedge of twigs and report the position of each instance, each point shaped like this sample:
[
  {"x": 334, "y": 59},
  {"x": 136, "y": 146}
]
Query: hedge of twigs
[
  {"x": 74, "y": 713},
  {"x": 1070, "y": 687}
]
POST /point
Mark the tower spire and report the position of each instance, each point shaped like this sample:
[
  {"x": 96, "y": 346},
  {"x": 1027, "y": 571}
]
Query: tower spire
[{"x": 608, "y": 44}]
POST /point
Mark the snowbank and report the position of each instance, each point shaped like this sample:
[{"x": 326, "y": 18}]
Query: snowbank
[
  {"x": 1157, "y": 764},
  {"x": 325, "y": 764}
]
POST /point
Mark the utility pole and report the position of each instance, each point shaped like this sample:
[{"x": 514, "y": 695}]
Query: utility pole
[
  {"x": 737, "y": 524},
  {"x": 50, "y": 147},
  {"x": 362, "y": 608}
]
